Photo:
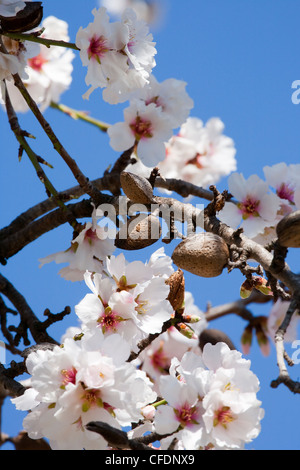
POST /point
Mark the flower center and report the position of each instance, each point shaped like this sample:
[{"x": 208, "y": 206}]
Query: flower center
[
  {"x": 223, "y": 416},
  {"x": 109, "y": 321},
  {"x": 37, "y": 62},
  {"x": 186, "y": 415},
  {"x": 285, "y": 192},
  {"x": 97, "y": 48},
  {"x": 141, "y": 128},
  {"x": 69, "y": 376},
  {"x": 91, "y": 398},
  {"x": 159, "y": 360},
  {"x": 249, "y": 207}
]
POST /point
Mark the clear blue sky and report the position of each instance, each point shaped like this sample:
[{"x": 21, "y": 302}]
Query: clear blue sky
[{"x": 239, "y": 59}]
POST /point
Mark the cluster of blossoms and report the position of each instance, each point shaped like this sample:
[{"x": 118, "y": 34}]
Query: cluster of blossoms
[
  {"x": 207, "y": 398},
  {"x": 119, "y": 55},
  {"x": 199, "y": 154},
  {"x": 261, "y": 204},
  {"x": 49, "y": 70},
  {"x": 211, "y": 400},
  {"x": 81, "y": 381}
]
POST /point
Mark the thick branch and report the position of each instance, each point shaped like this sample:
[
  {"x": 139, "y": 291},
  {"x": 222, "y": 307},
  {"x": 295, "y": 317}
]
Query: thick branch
[{"x": 28, "y": 318}]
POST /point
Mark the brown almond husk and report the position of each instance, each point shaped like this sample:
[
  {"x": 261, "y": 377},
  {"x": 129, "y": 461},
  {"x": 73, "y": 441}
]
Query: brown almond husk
[
  {"x": 142, "y": 230},
  {"x": 288, "y": 230},
  {"x": 137, "y": 188},
  {"x": 203, "y": 254},
  {"x": 177, "y": 289}
]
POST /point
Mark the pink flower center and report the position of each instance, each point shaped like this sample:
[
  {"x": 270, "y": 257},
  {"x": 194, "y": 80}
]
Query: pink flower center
[
  {"x": 69, "y": 376},
  {"x": 109, "y": 321},
  {"x": 97, "y": 48},
  {"x": 285, "y": 192},
  {"x": 249, "y": 207},
  {"x": 187, "y": 415},
  {"x": 90, "y": 235},
  {"x": 37, "y": 62},
  {"x": 223, "y": 416},
  {"x": 141, "y": 128},
  {"x": 159, "y": 360}
]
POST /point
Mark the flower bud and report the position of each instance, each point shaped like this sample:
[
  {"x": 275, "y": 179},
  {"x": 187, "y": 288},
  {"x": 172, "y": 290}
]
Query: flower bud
[
  {"x": 246, "y": 339},
  {"x": 149, "y": 412},
  {"x": 203, "y": 254},
  {"x": 186, "y": 330}
]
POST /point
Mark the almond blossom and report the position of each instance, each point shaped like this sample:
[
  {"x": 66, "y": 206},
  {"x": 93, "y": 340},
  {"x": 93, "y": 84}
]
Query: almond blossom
[
  {"x": 146, "y": 128},
  {"x": 49, "y": 71},
  {"x": 171, "y": 96},
  {"x": 13, "y": 57},
  {"x": 199, "y": 154},
  {"x": 88, "y": 251},
  {"x": 147, "y": 11},
  {"x": 119, "y": 55},
  {"x": 211, "y": 400},
  {"x": 256, "y": 206},
  {"x": 128, "y": 300},
  {"x": 80, "y": 382}
]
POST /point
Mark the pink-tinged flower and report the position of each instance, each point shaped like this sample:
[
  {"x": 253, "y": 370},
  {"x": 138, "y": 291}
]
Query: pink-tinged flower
[
  {"x": 11, "y": 7},
  {"x": 169, "y": 95},
  {"x": 199, "y": 154},
  {"x": 146, "y": 128},
  {"x": 107, "y": 310},
  {"x": 15, "y": 58},
  {"x": 49, "y": 70},
  {"x": 119, "y": 55},
  {"x": 88, "y": 252},
  {"x": 144, "y": 10},
  {"x": 285, "y": 179},
  {"x": 83, "y": 381},
  {"x": 256, "y": 207}
]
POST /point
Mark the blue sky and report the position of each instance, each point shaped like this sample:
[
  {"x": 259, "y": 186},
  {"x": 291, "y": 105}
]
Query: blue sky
[{"x": 239, "y": 59}]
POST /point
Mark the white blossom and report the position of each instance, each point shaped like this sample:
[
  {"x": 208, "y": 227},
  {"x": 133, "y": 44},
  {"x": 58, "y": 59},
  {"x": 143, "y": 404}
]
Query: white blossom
[
  {"x": 148, "y": 12},
  {"x": 129, "y": 300},
  {"x": 75, "y": 384},
  {"x": 171, "y": 96},
  {"x": 14, "y": 58},
  {"x": 88, "y": 251},
  {"x": 211, "y": 401},
  {"x": 119, "y": 55},
  {"x": 199, "y": 154},
  {"x": 49, "y": 72},
  {"x": 146, "y": 128},
  {"x": 256, "y": 206}
]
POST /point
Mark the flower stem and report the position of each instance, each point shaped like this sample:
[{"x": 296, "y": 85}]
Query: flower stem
[
  {"x": 82, "y": 115},
  {"x": 160, "y": 402},
  {"x": 44, "y": 41}
]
